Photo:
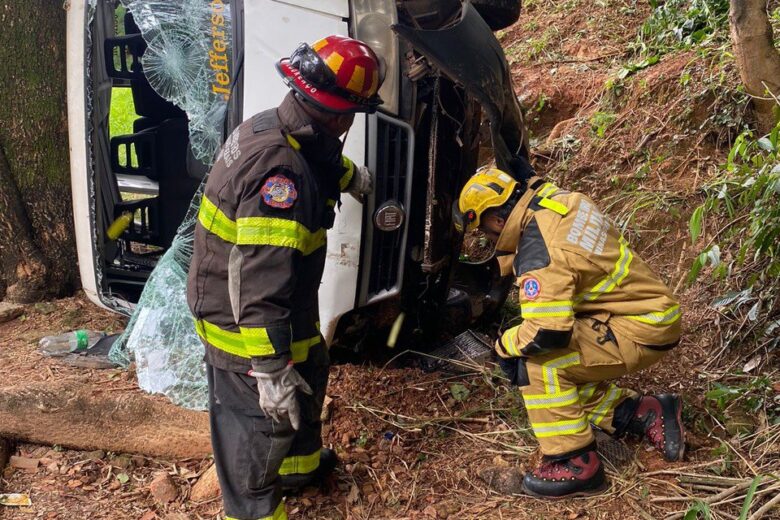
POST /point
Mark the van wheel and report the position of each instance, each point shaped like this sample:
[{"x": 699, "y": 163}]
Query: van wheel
[{"x": 499, "y": 14}]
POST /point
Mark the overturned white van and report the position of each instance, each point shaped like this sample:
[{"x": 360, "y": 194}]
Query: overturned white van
[{"x": 194, "y": 69}]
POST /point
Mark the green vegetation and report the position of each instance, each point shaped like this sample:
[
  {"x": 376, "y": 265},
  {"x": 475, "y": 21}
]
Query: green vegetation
[
  {"x": 747, "y": 193},
  {"x": 122, "y": 113},
  {"x": 682, "y": 24},
  {"x": 122, "y": 117},
  {"x": 600, "y": 122}
]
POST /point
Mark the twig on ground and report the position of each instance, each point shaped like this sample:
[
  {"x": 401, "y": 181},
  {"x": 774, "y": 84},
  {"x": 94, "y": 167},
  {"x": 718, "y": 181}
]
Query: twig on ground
[{"x": 774, "y": 501}]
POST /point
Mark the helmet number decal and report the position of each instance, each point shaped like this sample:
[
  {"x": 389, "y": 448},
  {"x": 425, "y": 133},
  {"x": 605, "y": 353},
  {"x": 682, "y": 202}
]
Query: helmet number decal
[
  {"x": 279, "y": 192},
  {"x": 531, "y": 288}
]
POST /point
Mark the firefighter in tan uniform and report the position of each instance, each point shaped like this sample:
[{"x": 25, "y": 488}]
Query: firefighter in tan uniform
[
  {"x": 258, "y": 259},
  {"x": 592, "y": 312}
]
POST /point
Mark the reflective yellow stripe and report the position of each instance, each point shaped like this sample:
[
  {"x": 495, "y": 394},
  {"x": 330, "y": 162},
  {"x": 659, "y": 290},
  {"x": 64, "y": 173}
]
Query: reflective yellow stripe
[
  {"x": 300, "y": 348},
  {"x": 256, "y": 341},
  {"x": 269, "y": 231},
  {"x": 666, "y": 317},
  {"x": 259, "y": 230},
  {"x": 357, "y": 81},
  {"x": 547, "y": 190},
  {"x": 215, "y": 221},
  {"x": 319, "y": 44},
  {"x": 555, "y": 206},
  {"x": 606, "y": 404},
  {"x": 300, "y": 464},
  {"x": 619, "y": 273},
  {"x": 293, "y": 142},
  {"x": 334, "y": 61},
  {"x": 229, "y": 341},
  {"x": 553, "y": 429},
  {"x": 544, "y": 201},
  {"x": 279, "y": 514},
  {"x": 586, "y": 392},
  {"x": 508, "y": 340},
  {"x": 556, "y": 400},
  {"x": 347, "y": 177},
  {"x": 550, "y": 371},
  {"x": 251, "y": 341},
  {"x": 556, "y": 309}
]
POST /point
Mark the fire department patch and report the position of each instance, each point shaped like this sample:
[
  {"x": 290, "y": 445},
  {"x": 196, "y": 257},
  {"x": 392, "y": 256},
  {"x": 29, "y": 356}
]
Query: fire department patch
[
  {"x": 279, "y": 192},
  {"x": 531, "y": 288}
]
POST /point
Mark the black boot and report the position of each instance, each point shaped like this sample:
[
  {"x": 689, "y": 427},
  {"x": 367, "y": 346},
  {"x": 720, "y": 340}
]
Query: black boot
[
  {"x": 296, "y": 482},
  {"x": 580, "y": 475},
  {"x": 656, "y": 418}
]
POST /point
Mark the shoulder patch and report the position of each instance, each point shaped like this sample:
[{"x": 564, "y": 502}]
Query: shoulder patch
[
  {"x": 279, "y": 192},
  {"x": 531, "y": 288},
  {"x": 531, "y": 251}
]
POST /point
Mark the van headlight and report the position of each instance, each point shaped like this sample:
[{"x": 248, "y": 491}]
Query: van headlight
[{"x": 371, "y": 21}]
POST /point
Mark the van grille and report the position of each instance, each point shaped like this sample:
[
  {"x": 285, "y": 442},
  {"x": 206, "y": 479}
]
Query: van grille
[{"x": 390, "y": 154}]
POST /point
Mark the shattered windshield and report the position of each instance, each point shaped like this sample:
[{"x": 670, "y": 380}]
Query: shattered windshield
[{"x": 188, "y": 62}]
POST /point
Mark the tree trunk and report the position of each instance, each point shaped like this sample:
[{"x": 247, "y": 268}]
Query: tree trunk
[
  {"x": 85, "y": 418},
  {"x": 37, "y": 246},
  {"x": 757, "y": 58}
]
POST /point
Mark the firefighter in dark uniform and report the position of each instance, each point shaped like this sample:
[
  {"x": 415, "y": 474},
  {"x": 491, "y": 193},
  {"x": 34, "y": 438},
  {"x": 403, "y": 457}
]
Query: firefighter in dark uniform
[
  {"x": 258, "y": 259},
  {"x": 592, "y": 312}
]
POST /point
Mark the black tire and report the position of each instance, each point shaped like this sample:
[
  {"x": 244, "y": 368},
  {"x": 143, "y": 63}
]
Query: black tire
[{"x": 499, "y": 14}]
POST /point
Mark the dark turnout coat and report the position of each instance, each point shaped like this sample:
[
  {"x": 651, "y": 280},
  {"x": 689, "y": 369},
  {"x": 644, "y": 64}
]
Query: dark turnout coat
[{"x": 259, "y": 249}]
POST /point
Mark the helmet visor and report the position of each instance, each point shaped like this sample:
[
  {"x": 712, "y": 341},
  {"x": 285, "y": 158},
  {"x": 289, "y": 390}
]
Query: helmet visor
[{"x": 314, "y": 69}]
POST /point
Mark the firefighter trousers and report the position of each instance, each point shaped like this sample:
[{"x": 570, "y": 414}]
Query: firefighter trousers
[
  {"x": 251, "y": 451},
  {"x": 568, "y": 390}
]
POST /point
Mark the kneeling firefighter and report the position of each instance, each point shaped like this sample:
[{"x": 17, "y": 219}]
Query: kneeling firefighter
[
  {"x": 256, "y": 269},
  {"x": 592, "y": 312}
]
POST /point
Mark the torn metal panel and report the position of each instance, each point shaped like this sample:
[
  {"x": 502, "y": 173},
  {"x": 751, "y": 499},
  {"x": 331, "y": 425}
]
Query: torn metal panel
[{"x": 469, "y": 53}]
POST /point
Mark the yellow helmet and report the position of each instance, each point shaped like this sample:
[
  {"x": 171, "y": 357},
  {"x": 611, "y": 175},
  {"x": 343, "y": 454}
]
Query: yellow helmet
[{"x": 489, "y": 188}]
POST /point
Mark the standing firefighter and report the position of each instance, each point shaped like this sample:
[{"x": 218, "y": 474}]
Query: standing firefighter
[
  {"x": 258, "y": 260},
  {"x": 592, "y": 312}
]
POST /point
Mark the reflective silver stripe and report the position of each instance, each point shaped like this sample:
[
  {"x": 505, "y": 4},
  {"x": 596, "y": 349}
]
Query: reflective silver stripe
[
  {"x": 606, "y": 405},
  {"x": 619, "y": 274},
  {"x": 556, "y": 400},
  {"x": 551, "y": 429},
  {"x": 554, "y": 309},
  {"x": 587, "y": 391},
  {"x": 666, "y": 317},
  {"x": 551, "y": 367}
]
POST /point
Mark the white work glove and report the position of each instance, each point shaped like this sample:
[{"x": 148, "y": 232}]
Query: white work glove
[
  {"x": 277, "y": 391},
  {"x": 362, "y": 183}
]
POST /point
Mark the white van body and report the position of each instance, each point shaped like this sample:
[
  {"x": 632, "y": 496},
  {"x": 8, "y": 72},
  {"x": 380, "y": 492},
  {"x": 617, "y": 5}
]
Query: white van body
[{"x": 284, "y": 25}]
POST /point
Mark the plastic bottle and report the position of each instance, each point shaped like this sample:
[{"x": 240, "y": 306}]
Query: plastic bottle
[
  {"x": 119, "y": 225},
  {"x": 78, "y": 340}
]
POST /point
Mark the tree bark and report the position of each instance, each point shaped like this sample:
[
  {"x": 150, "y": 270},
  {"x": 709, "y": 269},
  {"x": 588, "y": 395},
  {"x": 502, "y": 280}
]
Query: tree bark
[
  {"x": 37, "y": 245},
  {"x": 86, "y": 418},
  {"x": 757, "y": 58}
]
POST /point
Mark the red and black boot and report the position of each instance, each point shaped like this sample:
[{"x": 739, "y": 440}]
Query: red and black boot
[
  {"x": 575, "y": 476},
  {"x": 658, "y": 419}
]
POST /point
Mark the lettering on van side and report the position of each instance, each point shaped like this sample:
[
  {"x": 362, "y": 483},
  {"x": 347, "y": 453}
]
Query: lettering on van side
[{"x": 218, "y": 56}]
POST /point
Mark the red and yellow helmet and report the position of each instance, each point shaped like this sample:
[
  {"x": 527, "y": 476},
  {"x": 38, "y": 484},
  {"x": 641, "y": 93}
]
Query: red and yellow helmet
[{"x": 337, "y": 74}]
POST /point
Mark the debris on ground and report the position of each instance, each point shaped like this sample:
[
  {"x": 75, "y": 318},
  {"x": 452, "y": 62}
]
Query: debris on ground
[
  {"x": 15, "y": 500},
  {"x": 207, "y": 486},
  {"x": 10, "y": 311}
]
